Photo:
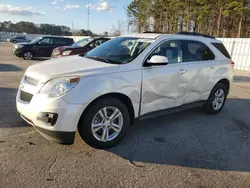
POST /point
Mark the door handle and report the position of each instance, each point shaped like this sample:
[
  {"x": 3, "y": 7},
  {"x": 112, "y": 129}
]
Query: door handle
[
  {"x": 212, "y": 66},
  {"x": 182, "y": 71}
]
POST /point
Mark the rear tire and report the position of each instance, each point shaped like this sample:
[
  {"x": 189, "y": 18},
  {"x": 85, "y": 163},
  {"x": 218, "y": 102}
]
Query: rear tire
[
  {"x": 103, "y": 130},
  {"x": 217, "y": 99}
]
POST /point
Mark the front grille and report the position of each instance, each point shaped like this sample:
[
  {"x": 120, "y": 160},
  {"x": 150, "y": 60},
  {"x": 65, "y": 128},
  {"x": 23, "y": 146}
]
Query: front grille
[
  {"x": 26, "y": 97},
  {"x": 31, "y": 81}
]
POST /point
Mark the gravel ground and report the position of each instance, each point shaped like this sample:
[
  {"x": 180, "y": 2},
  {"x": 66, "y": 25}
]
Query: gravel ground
[{"x": 184, "y": 149}]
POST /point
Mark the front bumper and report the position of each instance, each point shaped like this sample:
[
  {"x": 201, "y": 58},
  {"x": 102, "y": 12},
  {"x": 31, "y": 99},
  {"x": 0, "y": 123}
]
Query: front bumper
[
  {"x": 18, "y": 52},
  {"x": 56, "y": 136},
  {"x": 63, "y": 131}
]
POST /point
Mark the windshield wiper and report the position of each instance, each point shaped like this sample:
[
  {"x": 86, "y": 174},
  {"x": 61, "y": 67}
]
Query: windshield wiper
[{"x": 100, "y": 59}]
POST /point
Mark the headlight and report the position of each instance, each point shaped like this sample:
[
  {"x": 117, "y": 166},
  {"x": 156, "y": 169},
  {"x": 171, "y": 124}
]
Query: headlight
[
  {"x": 59, "y": 86},
  {"x": 68, "y": 52}
]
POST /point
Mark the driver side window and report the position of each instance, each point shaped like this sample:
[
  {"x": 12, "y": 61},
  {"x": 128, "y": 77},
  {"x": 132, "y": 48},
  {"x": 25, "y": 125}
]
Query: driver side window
[
  {"x": 170, "y": 49},
  {"x": 45, "y": 41}
]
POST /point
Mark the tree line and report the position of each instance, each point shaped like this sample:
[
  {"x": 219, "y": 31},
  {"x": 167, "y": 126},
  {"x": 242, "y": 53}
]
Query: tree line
[
  {"x": 45, "y": 29},
  {"x": 221, "y": 18}
]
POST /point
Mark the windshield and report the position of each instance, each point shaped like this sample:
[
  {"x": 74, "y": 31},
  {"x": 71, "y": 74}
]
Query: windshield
[
  {"x": 35, "y": 40},
  {"x": 82, "y": 42},
  {"x": 120, "y": 50}
]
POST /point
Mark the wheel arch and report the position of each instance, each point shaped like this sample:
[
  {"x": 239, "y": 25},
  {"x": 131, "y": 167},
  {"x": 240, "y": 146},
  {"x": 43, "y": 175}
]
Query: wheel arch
[
  {"x": 122, "y": 97},
  {"x": 226, "y": 82}
]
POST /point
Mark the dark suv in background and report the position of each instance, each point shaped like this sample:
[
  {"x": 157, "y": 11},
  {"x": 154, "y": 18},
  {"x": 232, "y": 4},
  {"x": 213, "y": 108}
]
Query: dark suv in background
[
  {"x": 80, "y": 47},
  {"x": 40, "y": 47}
]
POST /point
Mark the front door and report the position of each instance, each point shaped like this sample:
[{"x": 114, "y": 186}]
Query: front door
[
  {"x": 44, "y": 47},
  {"x": 164, "y": 86}
]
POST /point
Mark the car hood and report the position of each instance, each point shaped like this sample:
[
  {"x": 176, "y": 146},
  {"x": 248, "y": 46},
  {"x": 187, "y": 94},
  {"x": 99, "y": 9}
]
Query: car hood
[{"x": 68, "y": 66}]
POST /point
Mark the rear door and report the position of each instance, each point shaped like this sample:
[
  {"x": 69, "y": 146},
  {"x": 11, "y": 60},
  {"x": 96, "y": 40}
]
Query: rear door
[
  {"x": 56, "y": 42},
  {"x": 22, "y": 39},
  {"x": 200, "y": 66}
]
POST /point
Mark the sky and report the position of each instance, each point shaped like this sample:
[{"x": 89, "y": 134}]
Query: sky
[{"x": 104, "y": 14}]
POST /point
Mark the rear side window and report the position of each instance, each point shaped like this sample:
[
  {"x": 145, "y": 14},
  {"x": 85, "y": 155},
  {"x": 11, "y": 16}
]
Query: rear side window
[
  {"x": 196, "y": 51},
  {"x": 222, "y": 49},
  {"x": 99, "y": 42},
  {"x": 61, "y": 41},
  {"x": 70, "y": 40}
]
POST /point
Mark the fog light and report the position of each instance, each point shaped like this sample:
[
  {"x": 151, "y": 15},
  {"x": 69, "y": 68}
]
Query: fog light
[{"x": 48, "y": 117}]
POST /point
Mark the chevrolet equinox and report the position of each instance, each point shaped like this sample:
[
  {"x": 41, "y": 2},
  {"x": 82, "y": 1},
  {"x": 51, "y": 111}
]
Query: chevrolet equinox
[{"x": 129, "y": 77}]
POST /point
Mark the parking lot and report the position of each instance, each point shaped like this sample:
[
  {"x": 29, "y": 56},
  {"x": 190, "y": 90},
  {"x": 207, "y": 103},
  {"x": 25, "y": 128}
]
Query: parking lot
[{"x": 184, "y": 149}]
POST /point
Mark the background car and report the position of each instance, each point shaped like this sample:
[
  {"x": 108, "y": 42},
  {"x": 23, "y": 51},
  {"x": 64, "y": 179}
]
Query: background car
[
  {"x": 40, "y": 47},
  {"x": 80, "y": 47},
  {"x": 18, "y": 39}
]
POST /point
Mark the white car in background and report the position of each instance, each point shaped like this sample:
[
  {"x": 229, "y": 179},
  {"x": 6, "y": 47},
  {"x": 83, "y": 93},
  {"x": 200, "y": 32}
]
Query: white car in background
[
  {"x": 129, "y": 77},
  {"x": 18, "y": 39}
]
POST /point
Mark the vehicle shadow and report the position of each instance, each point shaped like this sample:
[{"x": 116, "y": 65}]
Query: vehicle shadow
[
  {"x": 242, "y": 79},
  {"x": 9, "y": 68},
  {"x": 40, "y": 58},
  {"x": 192, "y": 139},
  {"x": 9, "y": 116}
]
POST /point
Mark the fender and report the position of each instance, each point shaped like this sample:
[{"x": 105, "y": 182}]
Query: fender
[{"x": 90, "y": 88}]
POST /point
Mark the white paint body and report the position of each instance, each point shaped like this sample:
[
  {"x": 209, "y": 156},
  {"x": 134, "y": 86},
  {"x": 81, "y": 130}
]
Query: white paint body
[{"x": 149, "y": 88}]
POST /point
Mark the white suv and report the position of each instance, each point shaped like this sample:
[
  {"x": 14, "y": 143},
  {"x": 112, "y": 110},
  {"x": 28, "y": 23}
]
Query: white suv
[{"x": 129, "y": 77}]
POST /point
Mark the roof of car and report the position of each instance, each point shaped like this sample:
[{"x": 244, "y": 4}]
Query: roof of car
[
  {"x": 51, "y": 36},
  {"x": 144, "y": 35},
  {"x": 179, "y": 36}
]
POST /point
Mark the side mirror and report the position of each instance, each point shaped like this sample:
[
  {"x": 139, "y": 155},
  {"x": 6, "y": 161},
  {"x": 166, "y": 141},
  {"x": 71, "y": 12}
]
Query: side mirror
[{"x": 158, "y": 60}]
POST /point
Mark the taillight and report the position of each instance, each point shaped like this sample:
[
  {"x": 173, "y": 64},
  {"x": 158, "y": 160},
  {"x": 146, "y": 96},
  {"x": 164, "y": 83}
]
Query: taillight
[{"x": 233, "y": 64}]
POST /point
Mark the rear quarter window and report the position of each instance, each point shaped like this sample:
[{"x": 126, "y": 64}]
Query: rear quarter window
[{"x": 222, "y": 49}]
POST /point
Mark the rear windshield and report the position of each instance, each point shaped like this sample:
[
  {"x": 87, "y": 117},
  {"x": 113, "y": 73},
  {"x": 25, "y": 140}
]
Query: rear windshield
[{"x": 222, "y": 49}]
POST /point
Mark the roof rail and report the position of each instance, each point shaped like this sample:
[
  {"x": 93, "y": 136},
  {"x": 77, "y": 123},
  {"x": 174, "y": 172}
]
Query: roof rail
[
  {"x": 195, "y": 34},
  {"x": 153, "y": 32}
]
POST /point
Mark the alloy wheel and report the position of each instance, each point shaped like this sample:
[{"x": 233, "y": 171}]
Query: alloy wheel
[
  {"x": 107, "y": 124},
  {"x": 219, "y": 97},
  {"x": 28, "y": 55}
]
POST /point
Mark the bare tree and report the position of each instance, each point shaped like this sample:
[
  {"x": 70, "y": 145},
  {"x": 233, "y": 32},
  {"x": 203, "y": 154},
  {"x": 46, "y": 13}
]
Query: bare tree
[{"x": 119, "y": 28}]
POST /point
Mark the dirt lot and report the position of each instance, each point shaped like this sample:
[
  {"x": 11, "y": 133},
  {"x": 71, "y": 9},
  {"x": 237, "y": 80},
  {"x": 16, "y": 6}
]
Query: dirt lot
[{"x": 185, "y": 149}]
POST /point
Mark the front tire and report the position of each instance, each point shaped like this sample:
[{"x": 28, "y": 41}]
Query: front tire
[
  {"x": 28, "y": 55},
  {"x": 217, "y": 99},
  {"x": 104, "y": 123}
]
